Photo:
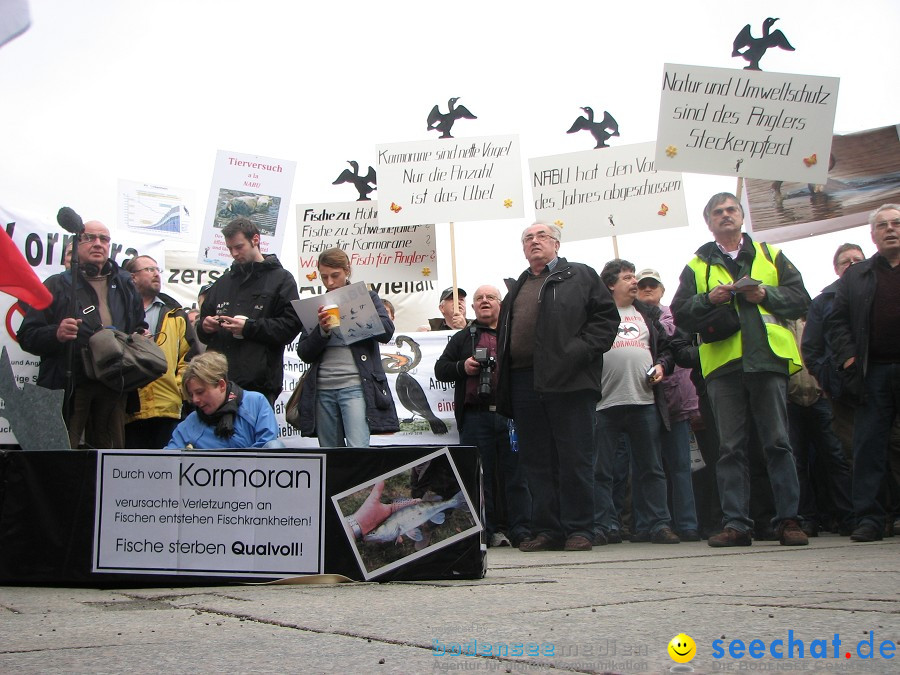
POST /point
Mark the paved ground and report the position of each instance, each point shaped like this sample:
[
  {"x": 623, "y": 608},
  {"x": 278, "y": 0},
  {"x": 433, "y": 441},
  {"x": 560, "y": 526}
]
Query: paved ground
[{"x": 611, "y": 610}]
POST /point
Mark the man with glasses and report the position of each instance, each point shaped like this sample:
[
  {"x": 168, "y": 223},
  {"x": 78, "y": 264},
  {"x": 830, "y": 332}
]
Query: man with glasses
[
  {"x": 555, "y": 325},
  {"x": 863, "y": 328},
  {"x": 106, "y": 296},
  {"x": 152, "y": 425},
  {"x": 469, "y": 360},
  {"x": 746, "y": 371}
]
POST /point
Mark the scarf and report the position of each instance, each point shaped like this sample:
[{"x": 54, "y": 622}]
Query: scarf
[{"x": 223, "y": 417}]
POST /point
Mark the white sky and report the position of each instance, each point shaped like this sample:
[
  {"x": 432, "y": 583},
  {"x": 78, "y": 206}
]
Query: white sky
[{"x": 100, "y": 90}]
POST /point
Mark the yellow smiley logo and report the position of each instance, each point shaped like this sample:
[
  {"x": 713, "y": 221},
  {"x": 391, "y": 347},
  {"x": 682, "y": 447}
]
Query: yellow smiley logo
[{"x": 682, "y": 648}]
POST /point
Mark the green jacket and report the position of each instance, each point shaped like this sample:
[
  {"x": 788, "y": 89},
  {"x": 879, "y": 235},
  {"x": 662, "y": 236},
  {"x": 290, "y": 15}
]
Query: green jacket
[{"x": 786, "y": 300}]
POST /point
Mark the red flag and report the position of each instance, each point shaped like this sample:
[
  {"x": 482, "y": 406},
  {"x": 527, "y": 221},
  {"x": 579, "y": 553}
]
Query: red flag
[{"x": 17, "y": 278}]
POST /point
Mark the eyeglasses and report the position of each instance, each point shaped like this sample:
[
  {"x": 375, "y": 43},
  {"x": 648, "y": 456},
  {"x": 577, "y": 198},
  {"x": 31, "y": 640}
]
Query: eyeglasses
[
  {"x": 849, "y": 261},
  {"x": 884, "y": 223},
  {"x": 489, "y": 298},
  {"x": 158, "y": 270},
  {"x": 89, "y": 238},
  {"x": 540, "y": 236}
]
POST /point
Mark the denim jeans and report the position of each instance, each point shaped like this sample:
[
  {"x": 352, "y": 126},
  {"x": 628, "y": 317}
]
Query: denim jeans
[
  {"x": 642, "y": 424},
  {"x": 676, "y": 454},
  {"x": 736, "y": 399},
  {"x": 340, "y": 414},
  {"x": 555, "y": 449},
  {"x": 489, "y": 432},
  {"x": 871, "y": 440},
  {"x": 814, "y": 442}
]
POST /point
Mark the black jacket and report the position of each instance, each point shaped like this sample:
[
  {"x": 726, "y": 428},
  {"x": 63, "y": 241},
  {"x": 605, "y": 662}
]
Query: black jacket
[
  {"x": 381, "y": 414},
  {"x": 577, "y": 323},
  {"x": 37, "y": 334},
  {"x": 262, "y": 292},
  {"x": 849, "y": 323},
  {"x": 818, "y": 354},
  {"x": 450, "y": 366}
]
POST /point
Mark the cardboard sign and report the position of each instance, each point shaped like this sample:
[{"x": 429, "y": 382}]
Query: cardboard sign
[
  {"x": 746, "y": 123},
  {"x": 451, "y": 180},
  {"x": 598, "y": 193},
  {"x": 377, "y": 254}
]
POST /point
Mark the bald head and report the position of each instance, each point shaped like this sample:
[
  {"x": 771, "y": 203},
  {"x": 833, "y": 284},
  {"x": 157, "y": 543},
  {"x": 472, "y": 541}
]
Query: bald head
[{"x": 487, "y": 305}]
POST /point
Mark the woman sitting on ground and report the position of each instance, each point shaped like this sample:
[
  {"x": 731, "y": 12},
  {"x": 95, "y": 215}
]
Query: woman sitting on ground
[{"x": 226, "y": 416}]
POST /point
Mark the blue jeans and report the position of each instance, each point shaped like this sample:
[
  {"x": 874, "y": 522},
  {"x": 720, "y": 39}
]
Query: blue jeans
[
  {"x": 676, "y": 454},
  {"x": 555, "y": 450},
  {"x": 489, "y": 432},
  {"x": 871, "y": 440},
  {"x": 737, "y": 398},
  {"x": 340, "y": 414},
  {"x": 642, "y": 425}
]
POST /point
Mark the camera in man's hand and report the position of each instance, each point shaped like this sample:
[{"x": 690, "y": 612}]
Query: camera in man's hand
[{"x": 484, "y": 376}]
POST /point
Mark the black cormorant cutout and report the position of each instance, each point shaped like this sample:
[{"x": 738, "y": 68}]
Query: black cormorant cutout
[
  {"x": 601, "y": 131},
  {"x": 756, "y": 47},
  {"x": 443, "y": 122},
  {"x": 361, "y": 183}
]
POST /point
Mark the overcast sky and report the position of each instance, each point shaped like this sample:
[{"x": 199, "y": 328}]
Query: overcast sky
[{"x": 106, "y": 89}]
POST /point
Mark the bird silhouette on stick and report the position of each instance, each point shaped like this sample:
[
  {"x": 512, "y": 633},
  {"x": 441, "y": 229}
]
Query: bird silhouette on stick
[
  {"x": 757, "y": 47},
  {"x": 443, "y": 122},
  {"x": 364, "y": 184},
  {"x": 601, "y": 131}
]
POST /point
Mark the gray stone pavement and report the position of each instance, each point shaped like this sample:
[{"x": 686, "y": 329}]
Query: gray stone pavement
[{"x": 611, "y": 610}]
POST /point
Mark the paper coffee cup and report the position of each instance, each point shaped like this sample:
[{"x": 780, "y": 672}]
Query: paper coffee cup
[{"x": 334, "y": 315}]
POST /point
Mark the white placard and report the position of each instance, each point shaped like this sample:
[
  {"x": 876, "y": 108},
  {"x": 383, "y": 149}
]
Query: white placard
[
  {"x": 450, "y": 180},
  {"x": 598, "y": 193},
  {"x": 359, "y": 318},
  {"x": 155, "y": 209},
  {"x": 378, "y": 254},
  {"x": 258, "y": 188},
  {"x": 754, "y": 124},
  {"x": 228, "y": 514}
]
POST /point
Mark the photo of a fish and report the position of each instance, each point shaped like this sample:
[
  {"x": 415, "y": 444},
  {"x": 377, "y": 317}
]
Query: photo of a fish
[{"x": 408, "y": 520}]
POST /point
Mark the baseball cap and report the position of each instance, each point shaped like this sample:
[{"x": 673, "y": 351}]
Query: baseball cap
[
  {"x": 649, "y": 274},
  {"x": 448, "y": 293}
]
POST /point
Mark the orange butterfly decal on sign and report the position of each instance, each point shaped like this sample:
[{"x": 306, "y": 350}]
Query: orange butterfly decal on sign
[
  {"x": 312, "y": 275},
  {"x": 809, "y": 161},
  {"x": 663, "y": 209},
  {"x": 396, "y": 208}
]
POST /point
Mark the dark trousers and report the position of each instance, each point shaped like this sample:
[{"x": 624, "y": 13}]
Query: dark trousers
[
  {"x": 556, "y": 450},
  {"x": 150, "y": 434},
  {"x": 99, "y": 413}
]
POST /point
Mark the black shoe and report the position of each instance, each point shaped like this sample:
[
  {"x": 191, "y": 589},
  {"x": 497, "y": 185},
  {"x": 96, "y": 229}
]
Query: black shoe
[
  {"x": 810, "y": 529},
  {"x": 689, "y": 535},
  {"x": 640, "y": 537},
  {"x": 730, "y": 537},
  {"x": 541, "y": 542},
  {"x": 577, "y": 542},
  {"x": 664, "y": 535},
  {"x": 614, "y": 537},
  {"x": 866, "y": 532},
  {"x": 600, "y": 539}
]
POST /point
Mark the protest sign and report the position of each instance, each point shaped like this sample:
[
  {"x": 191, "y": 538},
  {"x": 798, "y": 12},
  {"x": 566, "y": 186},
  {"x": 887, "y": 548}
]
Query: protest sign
[
  {"x": 745, "y": 123},
  {"x": 451, "y": 180},
  {"x": 613, "y": 191}
]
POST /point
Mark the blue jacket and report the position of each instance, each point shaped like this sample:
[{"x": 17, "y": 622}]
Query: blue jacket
[
  {"x": 381, "y": 414},
  {"x": 254, "y": 427}
]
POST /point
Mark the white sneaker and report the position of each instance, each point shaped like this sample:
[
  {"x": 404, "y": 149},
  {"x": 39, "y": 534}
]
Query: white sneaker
[{"x": 499, "y": 539}]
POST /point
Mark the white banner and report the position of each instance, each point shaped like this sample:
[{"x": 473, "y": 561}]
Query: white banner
[
  {"x": 452, "y": 180},
  {"x": 227, "y": 514},
  {"x": 615, "y": 191},
  {"x": 258, "y": 188},
  {"x": 376, "y": 254},
  {"x": 746, "y": 123},
  {"x": 155, "y": 209}
]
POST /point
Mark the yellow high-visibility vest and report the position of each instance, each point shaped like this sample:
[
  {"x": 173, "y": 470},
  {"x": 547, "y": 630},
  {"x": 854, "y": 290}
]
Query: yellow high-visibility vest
[{"x": 714, "y": 355}]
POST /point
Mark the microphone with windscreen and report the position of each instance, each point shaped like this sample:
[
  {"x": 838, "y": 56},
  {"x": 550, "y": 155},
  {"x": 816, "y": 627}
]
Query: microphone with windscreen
[{"x": 70, "y": 221}]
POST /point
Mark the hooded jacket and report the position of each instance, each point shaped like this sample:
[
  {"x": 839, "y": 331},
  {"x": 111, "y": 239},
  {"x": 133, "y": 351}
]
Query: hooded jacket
[{"x": 261, "y": 291}]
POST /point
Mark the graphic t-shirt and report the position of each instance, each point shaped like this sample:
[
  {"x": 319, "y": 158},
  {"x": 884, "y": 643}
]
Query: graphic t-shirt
[{"x": 626, "y": 364}]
